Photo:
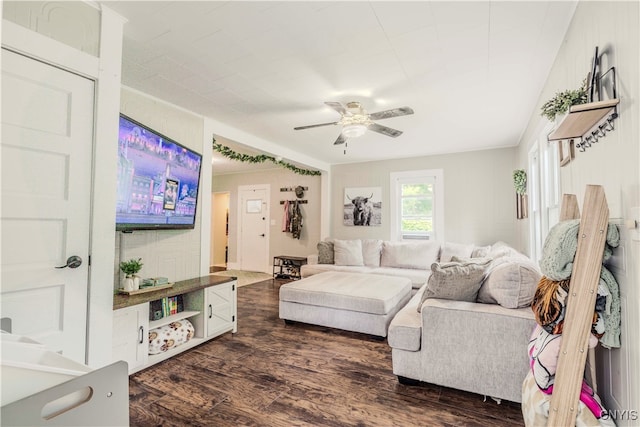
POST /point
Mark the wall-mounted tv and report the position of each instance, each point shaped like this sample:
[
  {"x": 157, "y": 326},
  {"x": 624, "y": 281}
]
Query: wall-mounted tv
[{"x": 158, "y": 180}]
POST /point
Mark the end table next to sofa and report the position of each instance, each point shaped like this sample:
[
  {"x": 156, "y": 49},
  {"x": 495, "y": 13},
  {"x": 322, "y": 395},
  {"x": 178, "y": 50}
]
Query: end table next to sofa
[{"x": 287, "y": 267}]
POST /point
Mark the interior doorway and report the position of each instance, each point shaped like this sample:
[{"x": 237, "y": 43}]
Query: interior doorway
[{"x": 219, "y": 232}]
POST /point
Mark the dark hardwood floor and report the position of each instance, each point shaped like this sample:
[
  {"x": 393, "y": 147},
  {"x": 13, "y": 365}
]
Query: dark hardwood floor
[{"x": 272, "y": 374}]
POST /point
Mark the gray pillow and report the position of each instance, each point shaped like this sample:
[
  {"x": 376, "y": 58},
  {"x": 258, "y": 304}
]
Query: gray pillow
[
  {"x": 510, "y": 282},
  {"x": 458, "y": 281},
  {"x": 325, "y": 253}
]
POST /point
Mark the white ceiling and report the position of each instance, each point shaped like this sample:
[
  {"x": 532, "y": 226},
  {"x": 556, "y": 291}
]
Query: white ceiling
[{"x": 471, "y": 71}]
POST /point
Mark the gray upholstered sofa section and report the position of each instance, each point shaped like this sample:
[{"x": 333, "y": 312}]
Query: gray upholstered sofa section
[{"x": 481, "y": 348}]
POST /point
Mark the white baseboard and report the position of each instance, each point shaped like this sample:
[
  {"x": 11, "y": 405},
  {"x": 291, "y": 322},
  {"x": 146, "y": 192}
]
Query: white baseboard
[{"x": 233, "y": 266}]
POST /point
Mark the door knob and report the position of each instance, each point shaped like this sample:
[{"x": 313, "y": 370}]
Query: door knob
[
  {"x": 73, "y": 261},
  {"x": 262, "y": 235}
]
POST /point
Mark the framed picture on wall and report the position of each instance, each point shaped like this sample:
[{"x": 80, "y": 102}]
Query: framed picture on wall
[{"x": 362, "y": 206}]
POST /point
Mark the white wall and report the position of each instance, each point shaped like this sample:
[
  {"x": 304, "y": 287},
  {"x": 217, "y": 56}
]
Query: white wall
[
  {"x": 280, "y": 243},
  {"x": 166, "y": 253},
  {"x": 479, "y": 205},
  {"x": 613, "y": 163}
]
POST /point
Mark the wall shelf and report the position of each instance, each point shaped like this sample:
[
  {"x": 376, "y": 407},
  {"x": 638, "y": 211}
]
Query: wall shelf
[{"x": 582, "y": 118}]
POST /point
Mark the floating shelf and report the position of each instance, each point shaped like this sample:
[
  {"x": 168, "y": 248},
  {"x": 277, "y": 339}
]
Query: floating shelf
[{"x": 584, "y": 117}]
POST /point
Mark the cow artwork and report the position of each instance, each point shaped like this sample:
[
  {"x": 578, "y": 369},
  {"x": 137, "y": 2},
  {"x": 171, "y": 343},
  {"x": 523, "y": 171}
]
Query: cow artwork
[
  {"x": 362, "y": 206},
  {"x": 362, "y": 210}
]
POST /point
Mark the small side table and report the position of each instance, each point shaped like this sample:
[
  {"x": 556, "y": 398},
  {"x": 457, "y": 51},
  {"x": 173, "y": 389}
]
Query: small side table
[{"x": 287, "y": 267}]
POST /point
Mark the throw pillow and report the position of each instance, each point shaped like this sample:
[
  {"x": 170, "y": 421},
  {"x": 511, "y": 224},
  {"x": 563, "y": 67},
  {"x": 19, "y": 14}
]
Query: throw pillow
[
  {"x": 418, "y": 255},
  {"x": 325, "y": 253},
  {"x": 458, "y": 281},
  {"x": 481, "y": 251},
  {"x": 455, "y": 249},
  {"x": 348, "y": 252},
  {"x": 371, "y": 249},
  {"x": 511, "y": 282}
]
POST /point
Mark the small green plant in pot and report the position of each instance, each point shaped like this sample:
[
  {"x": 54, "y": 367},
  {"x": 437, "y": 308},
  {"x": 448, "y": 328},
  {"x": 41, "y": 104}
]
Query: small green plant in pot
[
  {"x": 130, "y": 268},
  {"x": 562, "y": 101},
  {"x": 520, "y": 181}
]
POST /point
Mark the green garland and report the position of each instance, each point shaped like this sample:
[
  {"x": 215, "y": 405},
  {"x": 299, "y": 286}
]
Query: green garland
[{"x": 260, "y": 158}]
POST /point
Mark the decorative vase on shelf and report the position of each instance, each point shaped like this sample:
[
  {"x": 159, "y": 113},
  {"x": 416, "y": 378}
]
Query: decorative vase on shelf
[
  {"x": 136, "y": 282},
  {"x": 128, "y": 283}
]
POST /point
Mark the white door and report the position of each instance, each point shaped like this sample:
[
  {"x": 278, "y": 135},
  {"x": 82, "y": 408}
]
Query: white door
[
  {"x": 254, "y": 232},
  {"x": 47, "y": 140}
]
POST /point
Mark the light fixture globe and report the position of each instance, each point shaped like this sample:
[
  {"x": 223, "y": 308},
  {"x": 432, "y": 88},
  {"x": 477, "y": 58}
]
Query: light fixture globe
[{"x": 354, "y": 130}]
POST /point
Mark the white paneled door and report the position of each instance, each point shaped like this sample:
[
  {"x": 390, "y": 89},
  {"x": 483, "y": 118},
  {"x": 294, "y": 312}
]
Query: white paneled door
[
  {"x": 254, "y": 231},
  {"x": 47, "y": 140}
]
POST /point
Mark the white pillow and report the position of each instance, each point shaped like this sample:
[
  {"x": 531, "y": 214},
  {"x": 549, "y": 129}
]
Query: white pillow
[
  {"x": 459, "y": 250},
  {"x": 347, "y": 252},
  {"x": 371, "y": 249},
  {"x": 418, "y": 255}
]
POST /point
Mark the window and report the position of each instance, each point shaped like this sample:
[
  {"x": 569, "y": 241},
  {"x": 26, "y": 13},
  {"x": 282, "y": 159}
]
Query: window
[
  {"x": 544, "y": 192},
  {"x": 417, "y": 207}
]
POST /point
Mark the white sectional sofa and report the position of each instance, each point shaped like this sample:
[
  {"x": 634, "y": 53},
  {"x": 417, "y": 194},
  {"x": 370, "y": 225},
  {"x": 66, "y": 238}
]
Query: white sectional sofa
[
  {"x": 468, "y": 322},
  {"x": 411, "y": 260}
]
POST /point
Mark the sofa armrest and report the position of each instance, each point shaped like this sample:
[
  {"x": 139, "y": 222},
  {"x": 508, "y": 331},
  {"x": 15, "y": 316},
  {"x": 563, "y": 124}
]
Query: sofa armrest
[
  {"x": 312, "y": 259},
  {"x": 482, "y": 346}
]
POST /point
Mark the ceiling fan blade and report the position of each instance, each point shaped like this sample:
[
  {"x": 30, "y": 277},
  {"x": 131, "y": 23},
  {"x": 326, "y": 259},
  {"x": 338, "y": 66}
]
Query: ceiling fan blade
[
  {"x": 341, "y": 139},
  {"x": 338, "y": 107},
  {"x": 315, "y": 126},
  {"x": 384, "y": 130},
  {"x": 395, "y": 112}
]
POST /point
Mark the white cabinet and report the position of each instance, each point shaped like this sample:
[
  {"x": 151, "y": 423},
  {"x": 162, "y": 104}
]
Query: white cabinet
[
  {"x": 131, "y": 335},
  {"x": 210, "y": 304},
  {"x": 220, "y": 309}
]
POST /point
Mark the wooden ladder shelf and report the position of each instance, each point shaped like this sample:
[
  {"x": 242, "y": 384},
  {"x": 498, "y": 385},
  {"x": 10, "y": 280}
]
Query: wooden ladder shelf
[{"x": 583, "y": 289}]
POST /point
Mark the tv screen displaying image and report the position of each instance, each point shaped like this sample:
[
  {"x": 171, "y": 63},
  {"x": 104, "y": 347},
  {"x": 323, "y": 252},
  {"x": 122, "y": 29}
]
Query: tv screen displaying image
[{"x": 158, "y": 180}]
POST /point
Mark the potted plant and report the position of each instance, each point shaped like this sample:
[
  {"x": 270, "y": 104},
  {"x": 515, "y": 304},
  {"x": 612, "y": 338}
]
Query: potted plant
[
  {"x": 562, "y": 101},
  {"x": 130, "y": 268},
  {"x": 520, "y": 181}
]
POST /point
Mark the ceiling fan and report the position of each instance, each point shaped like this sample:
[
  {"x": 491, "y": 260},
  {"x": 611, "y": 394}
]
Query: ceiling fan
[{"x": 355, "y": 121}]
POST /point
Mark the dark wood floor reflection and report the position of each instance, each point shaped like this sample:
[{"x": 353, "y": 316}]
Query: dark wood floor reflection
[{"x": 272, "y": 374}]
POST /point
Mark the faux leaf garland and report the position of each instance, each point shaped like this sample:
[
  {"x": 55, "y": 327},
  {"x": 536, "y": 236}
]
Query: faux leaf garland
[
  {"x": 520, "y": 181},
  {"x": 260, "y": 158}
]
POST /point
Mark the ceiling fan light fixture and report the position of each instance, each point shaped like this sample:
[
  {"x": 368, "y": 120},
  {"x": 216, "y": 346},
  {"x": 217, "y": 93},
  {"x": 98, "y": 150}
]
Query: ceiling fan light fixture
[{"x": 354, "y": 130}]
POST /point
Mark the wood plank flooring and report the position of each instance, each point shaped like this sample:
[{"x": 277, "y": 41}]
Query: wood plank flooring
[{"x": 272, "y": 374}]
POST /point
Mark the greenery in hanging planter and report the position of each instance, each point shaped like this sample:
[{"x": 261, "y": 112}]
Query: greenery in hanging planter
[
  {"x": 131, "y": 267},
  {"x": 562, "y": 101},
  {"x": 520, "y": 181}
]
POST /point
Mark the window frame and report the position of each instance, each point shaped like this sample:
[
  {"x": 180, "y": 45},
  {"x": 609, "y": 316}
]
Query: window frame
[{"x": 431, "y": 176}]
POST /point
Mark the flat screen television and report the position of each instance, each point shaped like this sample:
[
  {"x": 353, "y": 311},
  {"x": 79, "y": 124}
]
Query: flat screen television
[{"x": 158, "y": 180}]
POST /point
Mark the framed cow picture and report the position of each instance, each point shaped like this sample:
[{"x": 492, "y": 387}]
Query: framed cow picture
[{"x": 363, "y": 206}]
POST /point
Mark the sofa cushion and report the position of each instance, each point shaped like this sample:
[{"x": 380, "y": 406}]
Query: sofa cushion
[
  {"x": 418, "y": 255},
  {"x": 417, "y": 277},
  {"x": 363, "y": 293},
  {"x": 459, "y": 281},
  {"x": 348, "y": 252},
  {"x": 455, "y": 249},
  {"x": 325, "y": 253},
  {"x": 371, "y": 250},
  {"x": 481, "y": 251},
  {"x": 511, "y": 281}
]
